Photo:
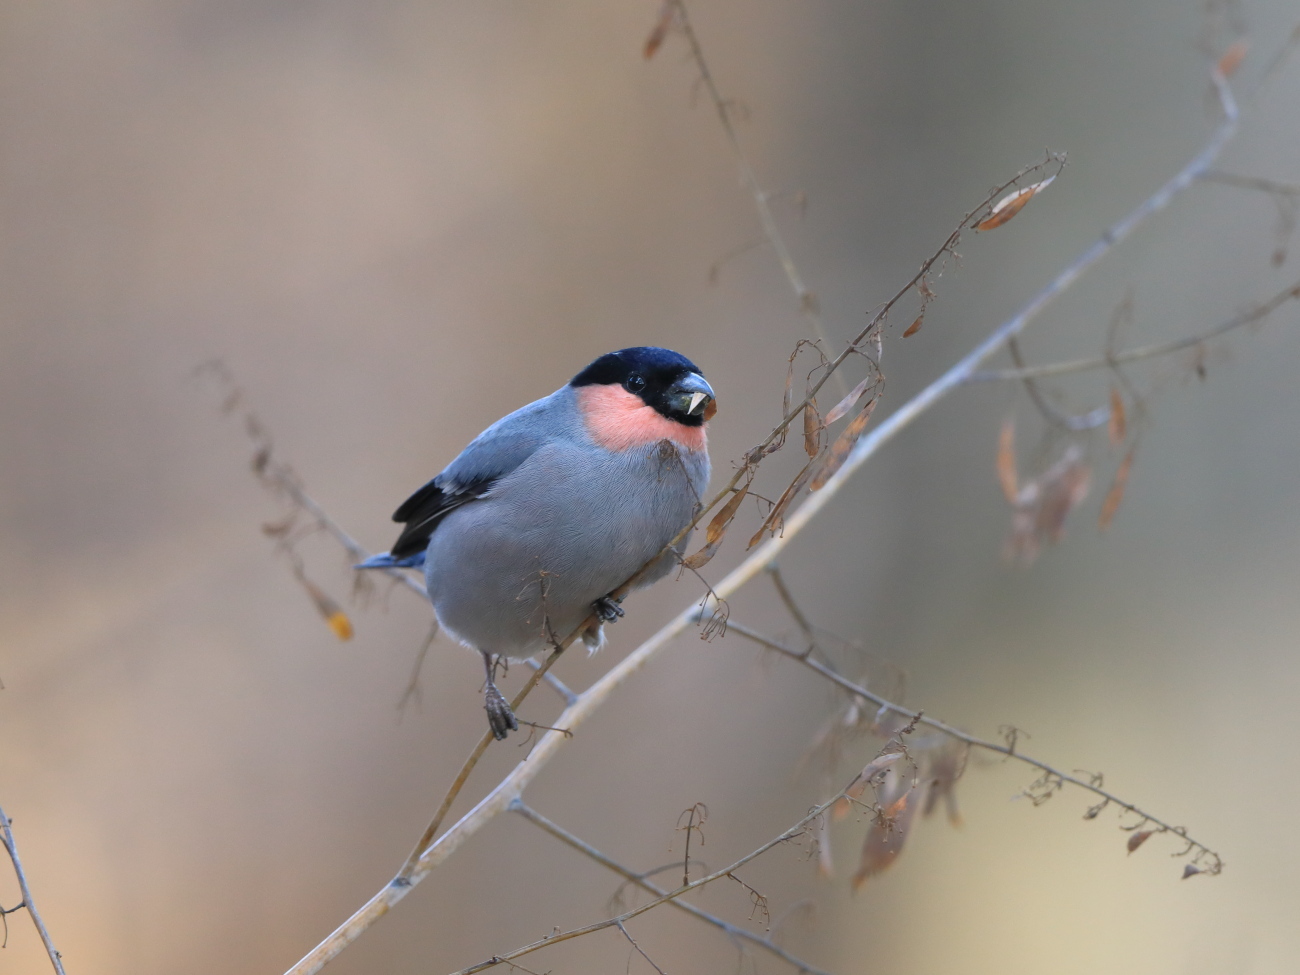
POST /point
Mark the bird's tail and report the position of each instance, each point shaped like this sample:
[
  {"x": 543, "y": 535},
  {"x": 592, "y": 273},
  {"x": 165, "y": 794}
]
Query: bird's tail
[{"x": 385, "y": 560}]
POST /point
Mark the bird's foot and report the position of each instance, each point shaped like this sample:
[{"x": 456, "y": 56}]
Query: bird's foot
[
  {"x": 608, "y": 609},
  {"x": 501, "y": 719}
]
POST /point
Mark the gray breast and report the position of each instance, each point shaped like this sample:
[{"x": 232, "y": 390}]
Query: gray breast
[{"x": 566, "y": 527}]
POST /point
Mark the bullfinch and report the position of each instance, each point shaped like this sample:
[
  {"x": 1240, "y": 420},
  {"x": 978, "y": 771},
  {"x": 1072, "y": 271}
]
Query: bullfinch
[{"x": 528, "y": 532}]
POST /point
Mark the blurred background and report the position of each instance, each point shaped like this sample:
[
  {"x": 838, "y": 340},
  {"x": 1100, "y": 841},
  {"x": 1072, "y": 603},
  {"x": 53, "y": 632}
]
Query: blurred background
[{"x": 394, "y": 222}]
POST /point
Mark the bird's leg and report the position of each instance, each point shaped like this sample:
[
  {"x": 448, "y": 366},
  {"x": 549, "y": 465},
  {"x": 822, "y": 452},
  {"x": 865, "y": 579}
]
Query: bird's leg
[
  {"x": 607, "y": 609},
  {"x": 501, "y": 719}
]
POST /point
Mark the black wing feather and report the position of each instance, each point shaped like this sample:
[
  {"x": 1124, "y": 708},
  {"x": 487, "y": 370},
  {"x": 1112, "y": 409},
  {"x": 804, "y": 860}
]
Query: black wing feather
[
  {"x": 423, "y": 510},
  {"x": 490, "y": 456}
]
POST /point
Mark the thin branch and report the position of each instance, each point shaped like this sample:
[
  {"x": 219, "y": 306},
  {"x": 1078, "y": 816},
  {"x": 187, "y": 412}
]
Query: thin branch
[
  {"x": 7, "y": 837},
  {"x": 513, "y": 785},
  {"x": 807, "y": 300},
  {"x": 783, "y": 591},
  {"x": 1086, "y": 421},
  {"x": 1142, "y": 352},
  {"x": 667, "y": 898},
  {"x": 640, "y": 880},
  {"x": 1090, "y": 785},
  {"x": 1251, "y": 183},
  {"x": 413, "y": 692},
  {"x": 877, "y": 320},
  {"x": 281, "y": 477},
  {"x": 566, "y": 693},
  {"x": 640, "y": 950}
]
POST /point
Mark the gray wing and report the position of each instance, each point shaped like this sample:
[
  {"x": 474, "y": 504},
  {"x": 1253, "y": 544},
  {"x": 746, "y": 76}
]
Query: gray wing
[{"x": 491, "y": 455}]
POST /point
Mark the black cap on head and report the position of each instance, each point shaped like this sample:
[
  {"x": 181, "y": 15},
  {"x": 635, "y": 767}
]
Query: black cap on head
[{"x": 656, "y": 375}]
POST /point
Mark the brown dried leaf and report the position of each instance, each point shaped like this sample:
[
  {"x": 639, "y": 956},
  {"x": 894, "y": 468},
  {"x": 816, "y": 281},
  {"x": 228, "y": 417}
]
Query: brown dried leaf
[
  {"x": 1232, "y": 58},
  {"x": 1063, "y": 488},
  {"x": 716, "y": 530},
  {"x": 848, "y": 402},
  {"x": 915, "y": 326},
  {"x": 775, "y": 516},
  {"x": 667, "y": 14},
  {"x": 1011, "y": 204},
  {"x": 812, "y": 429},
  {"x": 899, "y": 801},
  {"x": 1007, "y": 476},
  {"x": 1041, "y": 505},
  {"x": 1116, "y": 493},
  {"x": 1117, "y": 426},
  {"x": 839, "y": 451},
  {"x": 1138, "y": 838}
]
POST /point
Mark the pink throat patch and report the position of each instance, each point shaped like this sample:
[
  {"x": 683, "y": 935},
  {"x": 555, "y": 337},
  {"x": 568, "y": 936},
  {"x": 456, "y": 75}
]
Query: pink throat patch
[{"x": 618, "y": 420}]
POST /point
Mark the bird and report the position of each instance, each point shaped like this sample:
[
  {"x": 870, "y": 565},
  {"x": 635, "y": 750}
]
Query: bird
[{"x": 532, "y": 528}]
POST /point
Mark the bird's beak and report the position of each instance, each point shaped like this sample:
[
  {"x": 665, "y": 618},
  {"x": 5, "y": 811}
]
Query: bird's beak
[{"x": 692, "y": 395}]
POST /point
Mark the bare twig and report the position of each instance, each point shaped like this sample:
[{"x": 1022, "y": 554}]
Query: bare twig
[
  {"x": 1086, "y": 421},
  {"x": 280, "y": 477},
  {"x": 792, "y": 833},
  {"x": 808, "y": 303},
  {"x": 7, "y": 837},
  {"x": 1155, "y": 350},
  {"x": 783, "y": 591},
  {"x": 640, "y": 950},
  {"x": 695, "y": 818},
  {"x": 640, "y": 880},
  {"x": 557, "y": 685},
  {"x": 1251, "y": 183},
  {"x": 1008, "y": 749},
  {"x": 413, "y": 692}
]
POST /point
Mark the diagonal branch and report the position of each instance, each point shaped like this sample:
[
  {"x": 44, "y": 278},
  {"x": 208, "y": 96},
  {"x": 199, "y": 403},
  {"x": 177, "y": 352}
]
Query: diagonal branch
[
  {"x": 1215, "y": 862},
  {"x": 7, "y": 838},
  {"x": 667, "y": 898},
  {"x": 564, "y": 836},
  {"x": 1152, "y": 351},
  {"x": 426, "y": 859}
]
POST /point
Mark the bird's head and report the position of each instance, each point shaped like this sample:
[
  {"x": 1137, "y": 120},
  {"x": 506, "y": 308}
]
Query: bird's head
[
  {"x": 640, "y": 396},
  {"x": 666, "y": 381}
]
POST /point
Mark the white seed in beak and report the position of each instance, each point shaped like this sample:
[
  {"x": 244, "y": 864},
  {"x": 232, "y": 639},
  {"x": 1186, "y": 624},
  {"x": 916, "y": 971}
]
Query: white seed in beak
[{"x": 696, "y": 400}]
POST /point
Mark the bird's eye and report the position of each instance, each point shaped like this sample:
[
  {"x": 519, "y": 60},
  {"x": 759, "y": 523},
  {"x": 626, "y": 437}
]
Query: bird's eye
[{"x": 635, "y": 384}]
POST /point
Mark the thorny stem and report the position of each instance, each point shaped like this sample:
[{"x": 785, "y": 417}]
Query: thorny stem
[
  {"x": 1008, "y": 750},
  {"x": 640, "y": 880},
  {"x": 513, "y": 785},
  {"x": 7, "y": 837}
]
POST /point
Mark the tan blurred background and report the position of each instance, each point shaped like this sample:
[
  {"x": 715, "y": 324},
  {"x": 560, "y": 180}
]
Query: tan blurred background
[{"x": 395, "y": 222}]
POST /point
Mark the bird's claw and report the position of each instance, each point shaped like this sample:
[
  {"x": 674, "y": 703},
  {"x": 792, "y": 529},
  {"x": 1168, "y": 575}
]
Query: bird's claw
[
  {"x": 607, "y": 609},
  {"x": 501, "y": 719}
]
